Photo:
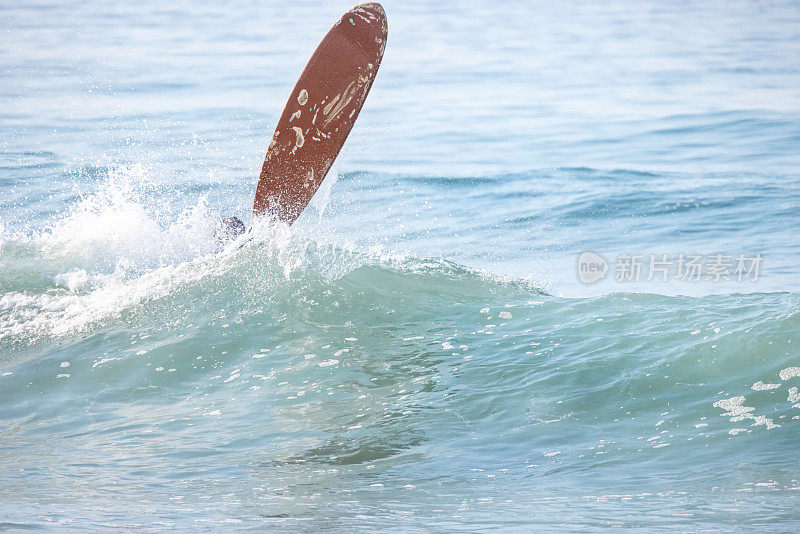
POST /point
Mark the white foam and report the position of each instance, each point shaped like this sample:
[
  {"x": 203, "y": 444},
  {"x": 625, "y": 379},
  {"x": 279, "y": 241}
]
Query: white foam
[
  {"x": 789, "y": 372},
  {"x": 77, "y": 280},
  {"x": 125, "y": 226},
  {"x": 116, "y": 247},
  {"x": 124, "y": 245},
  {"x": 61, "y": 314},
  {"x": 761, "y": 386},
  {"x": 736, "y": 410},
  {"x": 322, "y": 198}
]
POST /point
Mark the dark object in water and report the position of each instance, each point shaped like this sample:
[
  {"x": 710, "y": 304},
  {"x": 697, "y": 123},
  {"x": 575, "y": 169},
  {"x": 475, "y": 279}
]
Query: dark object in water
[{"x": 229, "y": 229}]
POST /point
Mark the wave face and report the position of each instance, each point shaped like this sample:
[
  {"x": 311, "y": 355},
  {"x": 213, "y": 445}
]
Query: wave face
[
  {"x": 298, "y": 381},
  {"x": 417, "y": 352}
]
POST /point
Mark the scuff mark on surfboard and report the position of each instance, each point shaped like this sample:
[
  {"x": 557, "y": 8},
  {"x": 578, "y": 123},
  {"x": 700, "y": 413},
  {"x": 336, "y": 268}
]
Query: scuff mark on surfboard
[
  {"x": 328, "y": 164},
  {"x": 336, "y": 106},
  {"x": 357, "y": 12},
  {"x": 300, "y": 141},
  {"x": 302, "y": 98},
  {"x": 329, "y": 106},
  {"x": 309, "y": 179},
  {"x": 365, "y": 13}
]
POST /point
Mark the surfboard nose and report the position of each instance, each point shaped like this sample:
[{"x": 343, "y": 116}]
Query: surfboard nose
[
  {"x": 369, "y": 18},
  {"x": 374, "y": 7}
]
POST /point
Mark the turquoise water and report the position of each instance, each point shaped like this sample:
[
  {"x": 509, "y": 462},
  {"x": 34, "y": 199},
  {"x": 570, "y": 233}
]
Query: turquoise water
[{"x": 417, "y": 352}]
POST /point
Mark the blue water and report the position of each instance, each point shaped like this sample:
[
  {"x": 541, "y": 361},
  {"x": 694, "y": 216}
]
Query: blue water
[{"x": 418, "y": 351}]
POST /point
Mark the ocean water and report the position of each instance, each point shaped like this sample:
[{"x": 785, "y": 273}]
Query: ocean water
[{"x": 418, "y": 352}]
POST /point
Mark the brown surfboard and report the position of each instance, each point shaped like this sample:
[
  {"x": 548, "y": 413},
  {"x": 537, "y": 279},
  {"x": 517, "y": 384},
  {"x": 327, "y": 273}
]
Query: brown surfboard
[{"x": 321, "y": 111}]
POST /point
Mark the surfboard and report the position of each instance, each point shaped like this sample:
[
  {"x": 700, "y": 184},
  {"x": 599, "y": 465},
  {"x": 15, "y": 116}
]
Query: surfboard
[{"x": 320, "y": 113}]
